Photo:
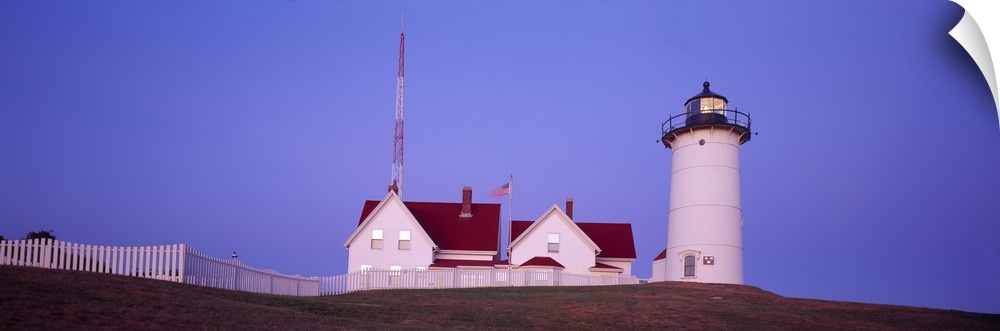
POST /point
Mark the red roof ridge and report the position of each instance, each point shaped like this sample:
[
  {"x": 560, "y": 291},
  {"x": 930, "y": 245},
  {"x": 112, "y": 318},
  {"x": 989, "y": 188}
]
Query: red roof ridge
[
  {"x": 605, "y": 266},
  {"x": 592, "y": 222},
  {"x": 615, "y": 239},
  {"x": 561, "y": 217},
  {"x": 542, "y": 261},
  {"x": 453, "y": 263},
  {"x": 475, "y": 203},
  {"x": 449, "y": 231}
]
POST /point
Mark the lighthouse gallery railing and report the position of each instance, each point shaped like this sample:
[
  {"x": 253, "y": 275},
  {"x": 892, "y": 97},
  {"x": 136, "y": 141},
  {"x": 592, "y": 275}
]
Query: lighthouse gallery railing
[{"x": 719, "y": 116}]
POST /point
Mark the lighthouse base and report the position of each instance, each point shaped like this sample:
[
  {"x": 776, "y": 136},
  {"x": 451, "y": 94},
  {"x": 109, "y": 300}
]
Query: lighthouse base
[{"x": 711, "y": 264}]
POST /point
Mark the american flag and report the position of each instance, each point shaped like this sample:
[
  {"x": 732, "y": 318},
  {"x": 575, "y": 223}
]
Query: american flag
[{"x": 501, "y": 191}]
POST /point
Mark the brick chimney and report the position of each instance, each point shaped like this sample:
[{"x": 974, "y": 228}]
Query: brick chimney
[
  {"x": 394, "y": 187},
  {"x": 569, "y": 207},
  {"x": 466, "y": 202}
]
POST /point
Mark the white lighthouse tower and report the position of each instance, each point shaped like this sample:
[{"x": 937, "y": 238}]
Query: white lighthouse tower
[{"x": 705, "y": 221}]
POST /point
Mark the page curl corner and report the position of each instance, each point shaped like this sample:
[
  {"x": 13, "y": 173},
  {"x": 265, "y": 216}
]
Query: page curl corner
[{"x": 976, "y": 36}]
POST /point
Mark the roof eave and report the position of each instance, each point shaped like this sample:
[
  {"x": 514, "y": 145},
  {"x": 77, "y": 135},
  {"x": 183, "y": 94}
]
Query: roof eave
[
  {"x": 572, "y": 225},
  {"x": 616, "y": 259},
  {"x": 381, "y": 204}
]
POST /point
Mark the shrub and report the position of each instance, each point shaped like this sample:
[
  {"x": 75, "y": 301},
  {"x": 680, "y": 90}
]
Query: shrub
[{"x": 40, "y": 234}]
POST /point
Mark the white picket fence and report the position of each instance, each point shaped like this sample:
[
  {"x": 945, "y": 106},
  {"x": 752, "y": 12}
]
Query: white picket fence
[
  {"x": 378, "y": 279},
  {"x": 204, "y": 270},
  {"x": 176, "y": 263},
  {"x": 158, "y": 262},
  {"x": 183, "y": 264}
]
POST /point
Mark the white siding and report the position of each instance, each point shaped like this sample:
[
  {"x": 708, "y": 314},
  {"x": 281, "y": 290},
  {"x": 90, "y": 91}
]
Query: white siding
[
  {"x": 659, "y": 270},
  {"x": 391, "y": 218},
  {"x": 468, "y": 256},
  {"x": 574, "y": 252},
  {"x": 604, "y": 273},
  {"x": 705, "y": 214}
]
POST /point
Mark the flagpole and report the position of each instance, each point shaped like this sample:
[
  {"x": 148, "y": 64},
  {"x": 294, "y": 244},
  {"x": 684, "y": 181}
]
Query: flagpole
[
  {"x": 510, "y": 213},
  {"x": 510, "y": 227}
]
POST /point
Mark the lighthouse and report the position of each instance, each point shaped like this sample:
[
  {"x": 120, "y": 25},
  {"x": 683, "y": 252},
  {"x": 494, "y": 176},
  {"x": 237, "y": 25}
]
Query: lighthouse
[{"x": 705, "y": 220}]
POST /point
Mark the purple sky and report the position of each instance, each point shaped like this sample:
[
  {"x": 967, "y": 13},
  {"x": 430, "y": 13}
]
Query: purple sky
[{"x": 262, "y": 126}]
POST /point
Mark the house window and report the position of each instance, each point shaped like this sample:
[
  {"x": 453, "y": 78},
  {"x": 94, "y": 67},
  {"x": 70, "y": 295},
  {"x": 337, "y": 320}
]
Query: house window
[
  {"x": 376, "y": 239},
  {"x": 553, "y": 242},
  {"x": 404, "y": 239},
  {"x": 689, "y": 266}
]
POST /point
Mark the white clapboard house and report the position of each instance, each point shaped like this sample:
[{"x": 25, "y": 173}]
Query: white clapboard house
[
  {"x": 397, "y": 235},
  {"x": 556, "y": 241},
  {"x": 404, "y": 235}
]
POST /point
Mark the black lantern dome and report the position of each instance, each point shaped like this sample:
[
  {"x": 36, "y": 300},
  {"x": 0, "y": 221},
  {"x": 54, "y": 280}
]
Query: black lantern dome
[
  {"x": 706, "y": 107},
  {"x": 708, "y": 95}
]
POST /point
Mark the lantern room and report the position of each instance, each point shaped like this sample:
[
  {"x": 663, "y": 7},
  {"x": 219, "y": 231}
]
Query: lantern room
[
  {"x": 706, "y": 110},
  {"x": 706, "y": 102},
  {"x": 706, "y": 107}
]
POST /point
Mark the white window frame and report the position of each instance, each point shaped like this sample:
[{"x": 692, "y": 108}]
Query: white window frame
[
  {"x": 693, "y": 265},
  {"x": 553, "y": 242},
  {"x": 377, "y": 239},
  {"x": 404, "y": 240}
]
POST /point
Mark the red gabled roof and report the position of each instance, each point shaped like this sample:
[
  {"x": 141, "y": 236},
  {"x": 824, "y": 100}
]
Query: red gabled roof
[
  {"x": 367, "y": 210},
  {"x": 661, "y": 256},
  {"x": 542, "y": 261},
  {"x": 517, "y": 228},
  {"x": 605, "y": 266},
  {"x": 447, "y": 263},
  {"x": 449, "y": 231},
  {"x": 614, "y": 239}
]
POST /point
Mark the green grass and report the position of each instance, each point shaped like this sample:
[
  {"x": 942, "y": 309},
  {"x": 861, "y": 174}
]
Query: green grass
[{"x": 48, "y": 299}]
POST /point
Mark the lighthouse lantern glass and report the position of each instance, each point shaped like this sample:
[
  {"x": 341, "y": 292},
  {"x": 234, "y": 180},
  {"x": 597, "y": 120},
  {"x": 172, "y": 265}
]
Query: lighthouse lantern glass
[
  {"x": 706, "y": 105},
  {"x": 709, "y": 105}
]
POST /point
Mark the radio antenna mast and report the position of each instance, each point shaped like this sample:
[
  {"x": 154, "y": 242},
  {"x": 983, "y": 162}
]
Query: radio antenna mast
[{"x": 397, "y": 143}]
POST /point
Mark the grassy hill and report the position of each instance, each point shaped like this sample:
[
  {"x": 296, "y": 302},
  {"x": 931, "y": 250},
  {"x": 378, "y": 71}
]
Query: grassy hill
[{"x": 50, "y": 299}]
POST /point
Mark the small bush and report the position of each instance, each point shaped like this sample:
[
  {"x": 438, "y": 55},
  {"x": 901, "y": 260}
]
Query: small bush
[{"x": 40, "y": 234}]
